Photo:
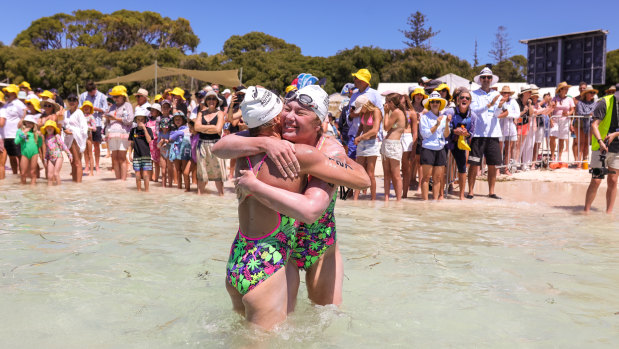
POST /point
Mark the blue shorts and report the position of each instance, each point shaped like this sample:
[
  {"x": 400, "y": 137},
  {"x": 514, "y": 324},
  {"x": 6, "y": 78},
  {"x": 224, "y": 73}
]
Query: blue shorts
[
  {"x": 143, "y": 164},
  {"x": 352, "y": 147}
]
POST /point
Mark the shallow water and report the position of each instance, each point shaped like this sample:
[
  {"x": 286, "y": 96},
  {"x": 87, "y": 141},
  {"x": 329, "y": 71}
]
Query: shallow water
[{"x": 102, "y": 266}]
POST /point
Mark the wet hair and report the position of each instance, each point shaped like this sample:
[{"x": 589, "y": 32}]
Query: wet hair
[{"x": 255, "y": 131}]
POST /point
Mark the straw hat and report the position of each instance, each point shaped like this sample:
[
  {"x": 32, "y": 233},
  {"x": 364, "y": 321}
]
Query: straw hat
[
  {"x": 611, "y": 90},
  {"x": 363, "y": 75},
  {"x": 53, "y": 103},
  {"x": 587, "y": 90},
  {"x": 486, "y": 72},
  {"x": 417, "y": 91},
  {"x": 52, "y": 124},
  {"x": 177, "y": 91},
  {"x": 562, "y": 85},
  {"x": 434, "y": 96},
  {"x": 35, "y": 103},
  {"x": 141, "y": 92},
  {"x": 506, "y": 89},
  {"x": 87, "y": 104},
  {"x": 119, "y": 90}
]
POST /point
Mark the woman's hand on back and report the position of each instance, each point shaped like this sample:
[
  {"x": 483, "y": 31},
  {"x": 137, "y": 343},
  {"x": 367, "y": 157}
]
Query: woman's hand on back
[{"x": 282, "y": 153}]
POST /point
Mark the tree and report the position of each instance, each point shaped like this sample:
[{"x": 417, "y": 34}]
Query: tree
[
  {"x": 500, "y": 46},
  {"x": 512, "y": 69},
  {"x": 475, "y": 58},
  {"x": 418, "y": 35}
]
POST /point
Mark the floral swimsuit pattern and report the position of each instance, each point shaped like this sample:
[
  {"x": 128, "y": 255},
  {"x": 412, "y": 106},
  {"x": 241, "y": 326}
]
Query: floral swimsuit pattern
[
  {"x": 315, "y": 238},
  {"x": 55, "y": 147}
]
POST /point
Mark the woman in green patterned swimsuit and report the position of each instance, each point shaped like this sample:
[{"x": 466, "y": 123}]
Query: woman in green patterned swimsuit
[{"x": 256, "y": 276}]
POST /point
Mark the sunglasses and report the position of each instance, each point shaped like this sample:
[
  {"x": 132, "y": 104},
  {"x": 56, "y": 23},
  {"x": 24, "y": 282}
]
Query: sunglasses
[
  {"x": 211, "y": 99},
  {"x": 435, "y": 102},
  {"x": 485, "y": 77},
  {"x": 47, "y": 106},
  {"x": 72, "y": 100},
  {"x": 465, "y": 98}
]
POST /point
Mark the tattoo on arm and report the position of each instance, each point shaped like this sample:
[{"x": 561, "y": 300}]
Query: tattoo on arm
[{"x": 341, "y": 163}]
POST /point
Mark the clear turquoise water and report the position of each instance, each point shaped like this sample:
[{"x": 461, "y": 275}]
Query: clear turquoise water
[{"x": 101, "y": 266}]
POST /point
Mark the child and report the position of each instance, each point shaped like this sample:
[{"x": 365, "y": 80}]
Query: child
[
  {"x": 153, "y": 124},
  {"x": 88, "y": 109},
  {"x": 54, "y": 146},
  {"x": 180, "y": 151},
  {"x": 34, "y": 108},
  {"x": 139, "y": 138},
  {"x": 190, "y": 169},
  {"x": 164, "y": 147},
  {"x": 30, "y": 140}
]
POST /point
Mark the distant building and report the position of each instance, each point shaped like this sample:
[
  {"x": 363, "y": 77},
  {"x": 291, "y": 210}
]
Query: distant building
[{"x": 572, "y": 57}]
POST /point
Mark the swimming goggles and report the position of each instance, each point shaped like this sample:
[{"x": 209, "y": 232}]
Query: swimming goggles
[{"x": 303, "y": 99}]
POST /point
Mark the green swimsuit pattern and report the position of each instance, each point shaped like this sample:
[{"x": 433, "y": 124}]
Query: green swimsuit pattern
[{"x": 29, "y": 147}]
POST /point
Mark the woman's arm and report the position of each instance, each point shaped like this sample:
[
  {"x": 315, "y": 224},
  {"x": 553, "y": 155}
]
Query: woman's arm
[
  {"x": 377, "y": 119},
  {"x": 339, "y": 172}
]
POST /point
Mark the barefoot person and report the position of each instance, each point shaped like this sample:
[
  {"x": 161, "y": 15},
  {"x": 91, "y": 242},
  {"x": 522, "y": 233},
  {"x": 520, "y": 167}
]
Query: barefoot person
[
  {"x": 120, "y": 118},
  {"x": 395, "y": 122},
  {"x": 434, "y": 128},
  {"x": 318, "y": 250},
  {"x": 605, "y": 129},
  {"x": 256, "y": 271}
]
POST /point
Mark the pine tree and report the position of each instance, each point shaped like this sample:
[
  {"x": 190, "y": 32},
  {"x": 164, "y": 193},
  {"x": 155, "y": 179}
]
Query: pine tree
[
  {"x": 500, "y": 46},
  {"x": 418, "y": 35}
]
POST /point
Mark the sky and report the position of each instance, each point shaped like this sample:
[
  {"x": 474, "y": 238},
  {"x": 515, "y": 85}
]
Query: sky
[{"x": 322, "y": 28}]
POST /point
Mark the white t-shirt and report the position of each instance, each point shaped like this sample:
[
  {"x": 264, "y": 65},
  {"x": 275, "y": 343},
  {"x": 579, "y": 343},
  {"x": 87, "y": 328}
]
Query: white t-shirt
[{"x": 13, "y": 113}]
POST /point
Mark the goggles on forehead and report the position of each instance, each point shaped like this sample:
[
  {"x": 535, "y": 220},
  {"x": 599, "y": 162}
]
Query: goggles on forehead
[{"x": 303, "y": 99}]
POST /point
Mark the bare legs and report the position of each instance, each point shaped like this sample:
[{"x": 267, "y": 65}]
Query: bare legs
[
  {"x": 142, "y": 175},
  {"x": 437, "y": 173},
  {"x": 369, "y": 163},
  {"x": 611, "y": 191},
  {"x": 407, "y": 172},
  {"x": 76, "y": 165},
  {"x": 391, "y": 170}
]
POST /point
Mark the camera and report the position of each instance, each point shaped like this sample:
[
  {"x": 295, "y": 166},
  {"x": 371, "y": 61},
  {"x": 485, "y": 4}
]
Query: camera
[{"x": 602, "y": 171}]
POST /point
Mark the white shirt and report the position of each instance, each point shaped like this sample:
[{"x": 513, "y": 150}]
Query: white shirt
[
  {"x": 487, "y": 124},
  {"x": 13, "y": 112},
  {"x": 508, "y": 124},
  {"x": 77, "y": 124}
]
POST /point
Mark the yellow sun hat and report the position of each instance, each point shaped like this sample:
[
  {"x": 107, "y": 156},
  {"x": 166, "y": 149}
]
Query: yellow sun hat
[
  {"x": 177, "y": 91},
  {"x": 25, "y": 84},
  {"x": 119, "y": 90},
  {"x": 52, "y": 124},
  {"x": 87, "y": 104},
  {"x": 291, "y": 88},
  {"x": 46, "y": 94},
  {"x": 12, "y": 88},
  {"x": 363, "y": 75},
  {"x": 35, "y": 103},
  {"x": 1, "y": 97},
  {"x": 417, "y": 91},
  {"x": 157, "y": 98},
  {"x": 442, "y": 86},
  {"x": 434, "y": 96}
]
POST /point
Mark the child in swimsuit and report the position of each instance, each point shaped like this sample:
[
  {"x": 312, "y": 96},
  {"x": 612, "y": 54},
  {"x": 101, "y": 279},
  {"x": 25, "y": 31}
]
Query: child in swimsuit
[
  {"x": 153, "y": 124},
  {"x": 89, "y": 160},
  {"x": 30, "y": 140},
  {"x": 164, "y": 147},
  {"x": 54, "y": 146},
  {"x": 180, "y": 151},
  {"x": 190, "y": 169}
]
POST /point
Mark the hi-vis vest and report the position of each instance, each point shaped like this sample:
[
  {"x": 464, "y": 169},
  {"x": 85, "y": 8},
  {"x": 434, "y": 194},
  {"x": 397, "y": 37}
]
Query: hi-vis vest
[{"x": 605, "y": 124}]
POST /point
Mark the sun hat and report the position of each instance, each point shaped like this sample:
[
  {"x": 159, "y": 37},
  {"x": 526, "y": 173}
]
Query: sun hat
[
  {"x": 52, "y": 124},
  {"x": 525, "y": 88},
  {"x": 53, "y": 103},
  {"x": 260, "y": 106},
  {"x": 177, "y": 91},
  {"x": 155, "y": 106},
  {"x": 165, "y": 101},
  {"x": 612, "y": 89},
  {"x": 363, "y": 75},
  {"x": 2, "y": 97},
  {"x": 486, "y": 72},
  {"x": 290, "y": 88},
  {"x": 157, "y": 98},
  {"x": 412, "y": 91},
  {"x": 141, "y": 92},
  {"x": 587, "y": 90},
  {"x": 46, "y": 94},
  {"x": 30, "y": 118},
  {"x": 138, "y": 113},
  {"x": 119, "y": 90},
  {"x": 200, "y": 94},
  {"x": 207, "y": 88},
  {"x": 35, "y": 103},
  {"x": 72, "y": 96},
  {"x": 443, "y": 86},
  {"x": 213, "y": 93},
  {"x": 388, "y": 92},
  {"x": 21, "y": 95},
  {"x": 226, "y": 91},
  {"x": 25, "y": 84},
  {"x": 535, "y": 92},
  {"x": 87, "y": 104},
  {"x": 314, "y": 97},
  {"x": 360, "y": 102},
  {"x": 434, "y": 96},
  {"x": 506, "y": 89},
  {"x": 561, "y": 85},
  {"x": 424, "y": 79},
  {"x": 181, "y": 114}
]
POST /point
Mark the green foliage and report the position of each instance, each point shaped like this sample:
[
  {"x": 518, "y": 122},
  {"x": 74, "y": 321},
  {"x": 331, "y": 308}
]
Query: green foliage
[
  {"x": 612, "y": 69},
  {"x": 117, "y": 31},
  {"x": 418, "y": 34}
]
